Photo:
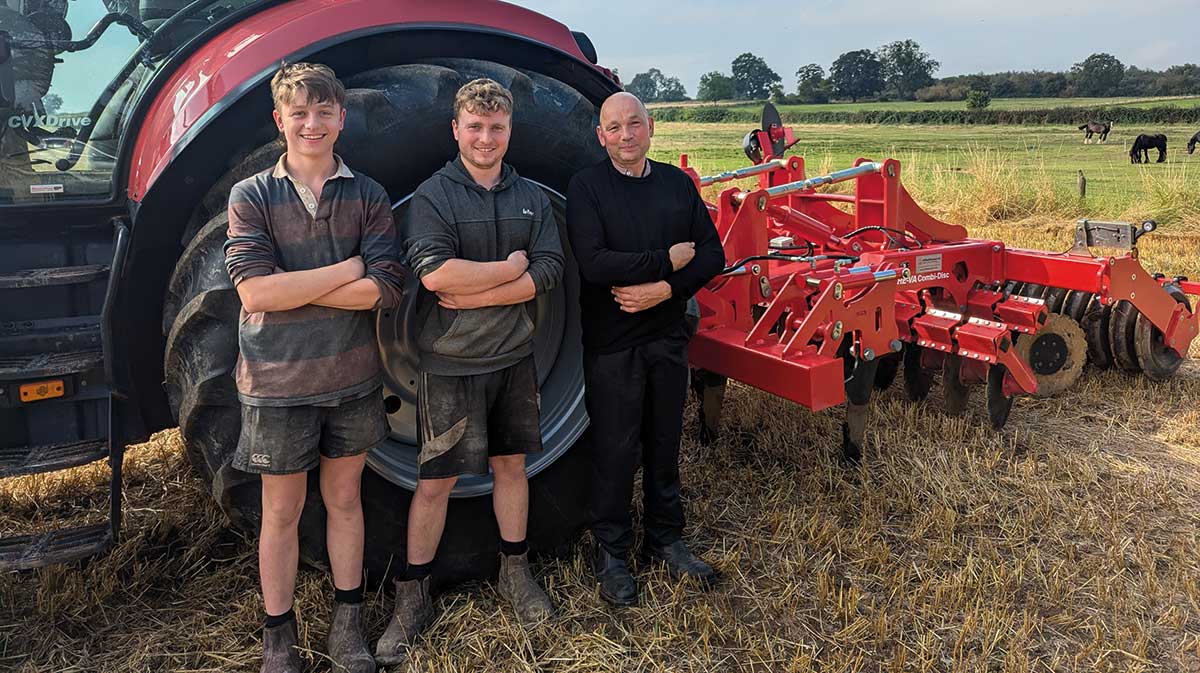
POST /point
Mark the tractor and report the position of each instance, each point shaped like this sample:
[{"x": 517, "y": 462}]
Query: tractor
[
  {"x": 126, "y": 122},
  {"x": 118, "y": 318}
]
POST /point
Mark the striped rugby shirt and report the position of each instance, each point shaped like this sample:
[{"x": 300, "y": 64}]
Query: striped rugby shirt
[{"x": 311, "y": 355}]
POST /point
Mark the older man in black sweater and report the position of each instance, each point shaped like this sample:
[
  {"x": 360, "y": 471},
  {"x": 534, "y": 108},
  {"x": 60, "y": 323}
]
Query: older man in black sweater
[{"x": 645, "y": 243}]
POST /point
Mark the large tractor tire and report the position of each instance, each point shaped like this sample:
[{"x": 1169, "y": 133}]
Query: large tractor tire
[{"x": 398, "y": 132}]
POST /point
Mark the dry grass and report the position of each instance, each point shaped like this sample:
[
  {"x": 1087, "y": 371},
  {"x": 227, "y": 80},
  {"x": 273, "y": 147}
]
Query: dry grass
[{"x": 1068, "y": 542}]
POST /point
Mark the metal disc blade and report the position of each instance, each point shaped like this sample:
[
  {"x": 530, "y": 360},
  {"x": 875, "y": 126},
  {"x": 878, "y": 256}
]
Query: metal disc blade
[
  {"x": 955, "y": 393},
  {"x": 998, "y": 405},
  {"x": 1121, "y": 338},
  {"x": 1055, "y": 298},
  {"x": 885, "y": 375},
  {"x": 1033, "y": 290},
  {"x": 917, "y": 379},
  {"x": 1158, "y": 360},
  {"x": 770, "y": 117},
  {"x": 1095, "y": 326},
  {"x": 752, "y": 148},
  {"x": 1076, "y": 305},
  {"x": 1057, "y": 354}
]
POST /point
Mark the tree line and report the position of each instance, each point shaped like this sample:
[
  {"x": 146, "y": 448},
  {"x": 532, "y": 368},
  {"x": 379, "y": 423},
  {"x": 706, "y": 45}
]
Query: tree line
[{"x": 902, "y": 70}]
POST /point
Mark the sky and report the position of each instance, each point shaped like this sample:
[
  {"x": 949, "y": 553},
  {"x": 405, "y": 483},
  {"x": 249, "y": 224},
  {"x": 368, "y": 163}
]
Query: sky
[{"x": 689, "y": 38}]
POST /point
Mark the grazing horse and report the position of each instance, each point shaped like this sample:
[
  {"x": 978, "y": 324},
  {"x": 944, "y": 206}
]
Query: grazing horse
[
  {"x": 1192, "y": 143},
  {"x": 1140, "y": 152},
  {"x": 1096, "y": 127}
]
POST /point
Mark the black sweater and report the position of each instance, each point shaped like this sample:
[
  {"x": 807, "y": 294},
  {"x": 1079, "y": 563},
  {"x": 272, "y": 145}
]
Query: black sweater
[{"x": 620, "y": 229}]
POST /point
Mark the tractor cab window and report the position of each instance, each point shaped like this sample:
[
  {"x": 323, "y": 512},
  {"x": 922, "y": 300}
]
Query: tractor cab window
[{"x": 74, "y": 67}]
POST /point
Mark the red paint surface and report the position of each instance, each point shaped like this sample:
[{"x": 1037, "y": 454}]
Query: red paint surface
[{"x": 244, "y": 50}]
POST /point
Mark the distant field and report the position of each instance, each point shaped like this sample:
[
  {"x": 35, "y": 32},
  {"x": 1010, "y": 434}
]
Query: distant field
[
  {"x": 981, "y": 174},
  {"x": 997, "y": 103}
]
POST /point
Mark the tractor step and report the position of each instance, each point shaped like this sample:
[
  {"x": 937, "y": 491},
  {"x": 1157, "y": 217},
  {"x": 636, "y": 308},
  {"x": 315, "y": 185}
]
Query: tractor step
[
  {"x": 61, "y": 275},
  {"x": 19, "y": 460},
  {"x": 25, "y": 552},
  {"x": 40, "y": 365}
]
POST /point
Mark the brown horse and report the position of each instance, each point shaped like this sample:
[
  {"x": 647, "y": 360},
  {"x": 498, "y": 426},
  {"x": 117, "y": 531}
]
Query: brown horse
[
  {"x": 1192, "y": 143},
  {"x": 1096, "y": 127},
  {"x": 1140, "y": 152}
]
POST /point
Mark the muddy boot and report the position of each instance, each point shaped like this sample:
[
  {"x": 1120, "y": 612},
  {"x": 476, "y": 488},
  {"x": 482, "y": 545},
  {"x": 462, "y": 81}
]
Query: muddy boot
[
  {"x": 279, "y": 649},
  {"x": 346, "y": 646},
  {"x": 518, "y": 586},
  {"x": 413, "y": 610}
]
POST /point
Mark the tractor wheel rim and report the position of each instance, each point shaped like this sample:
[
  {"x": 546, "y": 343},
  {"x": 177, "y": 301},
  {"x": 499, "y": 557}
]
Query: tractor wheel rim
[{"x": 558, "y": 353}]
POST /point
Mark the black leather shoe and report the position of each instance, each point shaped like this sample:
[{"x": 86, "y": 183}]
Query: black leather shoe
[
  {"x": 617, "y": 586},
  {"x": 681, "y": 561}
]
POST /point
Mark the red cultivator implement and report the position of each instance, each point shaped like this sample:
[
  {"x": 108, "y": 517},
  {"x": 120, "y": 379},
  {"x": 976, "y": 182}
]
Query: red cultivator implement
[{"x": 820, "y": 305}]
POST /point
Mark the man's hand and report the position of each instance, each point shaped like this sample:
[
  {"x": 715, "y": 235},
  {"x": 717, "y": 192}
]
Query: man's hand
[
  {"x": 520, "y": 261},
  {"x": 636, "y": 298},
  {"x": 681, "y": 254},
  {"x": 462, "y": 301}
]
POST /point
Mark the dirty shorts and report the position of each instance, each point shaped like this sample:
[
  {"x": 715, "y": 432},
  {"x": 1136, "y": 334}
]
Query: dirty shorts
[
  {"x": 464, "y": 420},
  {"x": 286, "y": 440}
]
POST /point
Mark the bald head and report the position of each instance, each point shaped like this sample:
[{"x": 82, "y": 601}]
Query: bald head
[
  {"x": 622, "y": 104},
  {"x": 625, "y": 130}
]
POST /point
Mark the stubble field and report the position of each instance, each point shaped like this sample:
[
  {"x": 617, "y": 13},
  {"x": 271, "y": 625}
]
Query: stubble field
[{"x": 1066, "y": 542}]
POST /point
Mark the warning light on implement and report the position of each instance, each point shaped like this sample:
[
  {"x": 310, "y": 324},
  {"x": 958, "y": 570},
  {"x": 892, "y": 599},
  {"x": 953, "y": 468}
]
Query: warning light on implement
[{"x": 42, "y": 390}]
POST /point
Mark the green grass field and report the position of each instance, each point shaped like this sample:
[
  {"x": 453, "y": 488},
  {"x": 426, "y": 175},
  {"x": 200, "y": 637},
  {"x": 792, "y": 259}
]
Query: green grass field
[
  {"x": 997, "y": 103},
  {"x": 981, "y": 174}
]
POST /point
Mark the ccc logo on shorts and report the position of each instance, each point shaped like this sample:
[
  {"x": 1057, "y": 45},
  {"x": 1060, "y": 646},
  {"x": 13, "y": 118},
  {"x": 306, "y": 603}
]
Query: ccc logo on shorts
[{"x": 260, "y": 459}]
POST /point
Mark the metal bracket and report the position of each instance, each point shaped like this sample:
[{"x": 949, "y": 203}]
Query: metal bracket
[{"x": 1122, "y": 235}]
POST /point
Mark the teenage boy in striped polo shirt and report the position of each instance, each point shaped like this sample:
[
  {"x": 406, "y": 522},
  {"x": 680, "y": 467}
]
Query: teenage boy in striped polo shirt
[{"x": 312, "y": 252}]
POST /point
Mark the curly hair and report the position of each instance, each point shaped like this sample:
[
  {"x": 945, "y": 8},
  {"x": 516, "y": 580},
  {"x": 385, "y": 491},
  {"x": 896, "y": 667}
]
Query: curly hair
[
  {"x": 316, "y": 80},
  {"x": 483, "y": 97}
]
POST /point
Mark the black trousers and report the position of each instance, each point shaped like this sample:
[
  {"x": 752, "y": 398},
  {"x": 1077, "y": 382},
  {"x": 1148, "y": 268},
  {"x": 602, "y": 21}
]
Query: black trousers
[{"x": 635, "y": 401}]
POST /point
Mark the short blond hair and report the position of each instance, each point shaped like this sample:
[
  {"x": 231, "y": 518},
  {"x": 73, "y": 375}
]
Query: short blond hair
[
  {"x": 316, "y": 80},
  {"x": 483, "y": 96}
]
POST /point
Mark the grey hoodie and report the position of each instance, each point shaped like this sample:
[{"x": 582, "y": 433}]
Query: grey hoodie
[{"x": 452, "y": 216}]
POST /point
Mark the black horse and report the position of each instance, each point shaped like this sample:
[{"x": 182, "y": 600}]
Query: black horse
[
  {"x": 1140, "y": 152},
  {"x": 1096, "y": 127},
  {"x": 1192, "y": 143}
]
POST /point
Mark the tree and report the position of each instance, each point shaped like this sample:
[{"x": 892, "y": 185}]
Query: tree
[
  {"x": 977, "y": 100},
  {"x": 715, "y": 86},
  {"x": 644, "y": 85},
  {"x": 752, "y": 78},
  {"x": 811, "y": 86},
  {"x": 52, "y": 103},
  {"x": 906, "y": 67},
  {"x": 856, "y": 74},
  {"x": 652, "y": 86},
  {"x": 671, "y": 90},
  {"x": 1098, "y": 75}
]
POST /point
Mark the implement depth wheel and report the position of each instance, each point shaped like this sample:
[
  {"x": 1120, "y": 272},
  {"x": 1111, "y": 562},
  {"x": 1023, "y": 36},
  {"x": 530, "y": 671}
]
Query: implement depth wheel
[
  {"x": 398, "y": 132},
  {"x": 1057, "y": 354}
]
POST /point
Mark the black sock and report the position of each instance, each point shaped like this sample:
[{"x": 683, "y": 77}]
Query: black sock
[
  {"x": 351, "y": 596},
  {"x": 513, "y": 548},
  {"x": 418, "y": 571},
  {"x": 280, "y": 620}
]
